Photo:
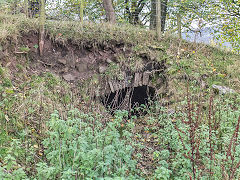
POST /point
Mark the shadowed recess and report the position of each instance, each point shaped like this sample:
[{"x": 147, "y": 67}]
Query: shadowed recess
[{"x": 129, "y": 99}]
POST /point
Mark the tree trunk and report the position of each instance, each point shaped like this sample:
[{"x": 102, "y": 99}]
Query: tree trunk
[
  {"x": 108, "y": 7},
  {"x": 81, "y": 11},
  {"x": 133, "y": 12},
  {"x": 158, "y": 19},
  {"x": 179, "y": 25},
  {"x": 41, "y": 27},
  {"x": 163, "y": 14},
  {"x": 154, "y": 14},
  {"x": 26, "y": 7}
]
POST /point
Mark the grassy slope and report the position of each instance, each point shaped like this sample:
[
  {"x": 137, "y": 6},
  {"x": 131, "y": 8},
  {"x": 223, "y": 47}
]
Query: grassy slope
[
  {"x": 27, "y": 100},
  {"x": 193, "y": 59}
]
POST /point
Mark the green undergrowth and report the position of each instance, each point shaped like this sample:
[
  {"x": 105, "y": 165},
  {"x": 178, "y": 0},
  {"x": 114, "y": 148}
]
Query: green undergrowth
[
  {"x": 79, "y": 147},
  {"x": 48, "y": 132},
  {"x": 199, "y": 144},
  {"x": 27, "y": 102},
  {"x": 54, "y": 140}
]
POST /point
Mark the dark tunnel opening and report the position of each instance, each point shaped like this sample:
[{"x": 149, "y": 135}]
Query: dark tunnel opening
[
  {"x": 130, "y": 99},
  {"x": 141, "y": 95},
  {"x": 114, "y": 100}
]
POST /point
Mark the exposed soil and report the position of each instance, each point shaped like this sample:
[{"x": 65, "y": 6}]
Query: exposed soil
[
  {"x": 70, "y": 61},
  {"x": 76, "y": 63}
]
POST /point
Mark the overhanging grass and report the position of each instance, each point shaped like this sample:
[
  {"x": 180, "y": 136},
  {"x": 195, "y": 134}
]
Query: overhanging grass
[
  {"x": 12, "y": 26},
  {"x": 183, "y": 57}
]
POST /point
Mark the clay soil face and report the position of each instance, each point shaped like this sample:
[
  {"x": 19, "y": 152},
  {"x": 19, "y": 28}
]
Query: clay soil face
[
  {"x": 77, "y": 63},
  {"x": 71, "y": 61}
]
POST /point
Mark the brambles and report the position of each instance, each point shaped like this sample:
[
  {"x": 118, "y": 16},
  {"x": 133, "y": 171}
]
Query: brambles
[{"x": 196, "y": 142}]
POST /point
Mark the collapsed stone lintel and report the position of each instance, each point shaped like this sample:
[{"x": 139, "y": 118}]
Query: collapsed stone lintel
[{"x": 138, "y": 79}]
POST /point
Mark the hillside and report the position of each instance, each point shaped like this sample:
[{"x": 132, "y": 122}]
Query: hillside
[{"x": 59, "y": 112}]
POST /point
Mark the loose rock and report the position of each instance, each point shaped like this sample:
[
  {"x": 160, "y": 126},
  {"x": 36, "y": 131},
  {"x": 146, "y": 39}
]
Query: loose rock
[
  {"x": 69, "y": 77},
  {"x": 108, "y": 60},
  {"x": 171, "y": 111},
  {"x": 62, "y": 61},
  {"x": 222, "y": 89},
  {"x": 102, "y": 69},
  {"x": 82, "y": 67}
]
